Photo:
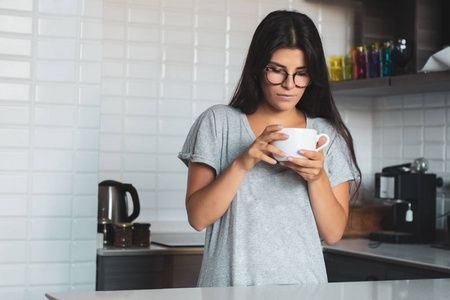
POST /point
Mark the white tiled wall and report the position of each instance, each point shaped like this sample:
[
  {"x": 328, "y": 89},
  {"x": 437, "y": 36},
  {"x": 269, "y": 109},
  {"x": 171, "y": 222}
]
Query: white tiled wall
[
  {"x": 50, "y": 89},
  {"x": 163, "y": 64},
  {"x": 107, "y": 89}
]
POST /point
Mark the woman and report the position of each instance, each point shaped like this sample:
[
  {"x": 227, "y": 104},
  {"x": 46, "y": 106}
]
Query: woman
[{"x": 265, "y": 220}]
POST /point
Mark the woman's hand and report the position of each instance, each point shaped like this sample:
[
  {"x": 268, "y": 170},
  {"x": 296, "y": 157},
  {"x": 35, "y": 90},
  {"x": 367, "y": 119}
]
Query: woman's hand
[
  {"x": 261, "y": 149},
  {"x": 310, "y": 168}
]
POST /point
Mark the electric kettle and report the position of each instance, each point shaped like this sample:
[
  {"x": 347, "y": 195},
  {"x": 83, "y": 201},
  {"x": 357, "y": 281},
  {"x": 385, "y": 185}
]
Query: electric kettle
[{"x": 113, "y": 203}]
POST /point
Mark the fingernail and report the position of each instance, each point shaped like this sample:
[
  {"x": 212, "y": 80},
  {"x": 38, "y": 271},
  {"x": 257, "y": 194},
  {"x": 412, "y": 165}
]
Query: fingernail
[
  {"x": 284, "y": 154},
  {"x": 301, "y": 151},
  {"x": 289, "y": 158},
  {"x": 286, "y": 136}
]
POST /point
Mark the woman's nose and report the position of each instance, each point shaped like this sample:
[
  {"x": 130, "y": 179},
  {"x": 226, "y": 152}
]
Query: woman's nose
[{"x": 289, "y": 83}]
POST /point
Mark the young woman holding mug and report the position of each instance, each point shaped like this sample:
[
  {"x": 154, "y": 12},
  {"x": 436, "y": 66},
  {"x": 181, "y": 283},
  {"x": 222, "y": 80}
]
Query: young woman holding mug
[{"x": 265, "y": 219}]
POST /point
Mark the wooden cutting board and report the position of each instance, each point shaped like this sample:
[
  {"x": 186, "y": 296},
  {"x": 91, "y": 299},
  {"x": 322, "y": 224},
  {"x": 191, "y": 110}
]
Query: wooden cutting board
[{"x": 363, "y": 220}]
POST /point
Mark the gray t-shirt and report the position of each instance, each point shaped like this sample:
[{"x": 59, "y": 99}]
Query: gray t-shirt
[{"x": 268, "y": 234}]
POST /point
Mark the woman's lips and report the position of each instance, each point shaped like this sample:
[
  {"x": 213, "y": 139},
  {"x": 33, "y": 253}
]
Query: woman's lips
[{"x": 286, "y": 96}]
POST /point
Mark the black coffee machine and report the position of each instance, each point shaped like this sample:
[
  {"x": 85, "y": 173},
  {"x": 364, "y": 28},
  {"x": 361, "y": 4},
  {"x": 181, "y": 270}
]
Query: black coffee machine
[{"x": 412, "y": 193}]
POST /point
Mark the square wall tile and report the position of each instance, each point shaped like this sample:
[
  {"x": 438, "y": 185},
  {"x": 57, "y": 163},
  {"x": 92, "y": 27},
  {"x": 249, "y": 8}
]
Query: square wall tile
[
  {"x": 57, "y": 50},
  {"x": 62, "y": 28},
  {"x": 178, "y": 19},
  {"x": 48, "y": 206},
  {"x": 55, "y": 93},
  {"x": 14, "y": 184},
  {"x": 85, "y": 184},
  {"x": 144, "y": 16},
  {"x": 52, "y": 183},
  {"x": 434, "y": 134},
  {"x": 82, "y": 273},
  {"x": 141, "y": 107},
  {"x": 55, "y": 274},
  {"x": 17, "y": 206},
  {"x": 14, "y": 92},
  {"x": 64, "y": 7},
  {"x": 143, "y": 34},
  {"x": 140, "y": 162},
  {"x": 87, "y": 139},
  {"x": 16, "y": 24},
  {"x": 13, "y": 252},
  {"x": 413, "y": 117},
  {"x": 40, "y": 250},
  {"x": 15, "y": 46},
  {"x": 175, "y": 108},
  {"x": 13, "y": 275},
  {"x": 14, "y": 115},
  {"x": 208, "y": 21},
  {"x": 85, "y": 206},
  {"x": 56, "y": 138},
  {"x": 84, "y": 251},
  {"x": 413, "y": 101},
  {"x": 84, "y": 229},
  {"x": 435, "y": 116},
  {"x": 52, "y": 160},
  {"x": 15, "y": 69},
  {"x": 92, "y": 8},
  {"x": 26, "y": 5},
  {"x": 50, "y": 229},
  {"x": 140, "y": 143},
  {"x": 55, "y": 71}
]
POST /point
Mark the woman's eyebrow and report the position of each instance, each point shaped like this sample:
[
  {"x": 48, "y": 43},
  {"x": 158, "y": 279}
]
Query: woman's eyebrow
[{"x": 281, "y": 66}]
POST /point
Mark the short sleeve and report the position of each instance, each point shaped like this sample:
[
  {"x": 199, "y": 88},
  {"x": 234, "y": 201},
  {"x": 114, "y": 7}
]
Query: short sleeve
[
  {"x": 202, "y": 141},
  {"x": 338, "y": 163}
]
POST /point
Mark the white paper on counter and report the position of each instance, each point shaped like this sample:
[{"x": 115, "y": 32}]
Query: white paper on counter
[{"x": 440, "y": 61}]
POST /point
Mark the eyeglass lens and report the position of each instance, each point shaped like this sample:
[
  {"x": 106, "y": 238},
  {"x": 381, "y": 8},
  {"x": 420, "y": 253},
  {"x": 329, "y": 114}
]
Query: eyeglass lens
[{"x": 301, "y": 79}]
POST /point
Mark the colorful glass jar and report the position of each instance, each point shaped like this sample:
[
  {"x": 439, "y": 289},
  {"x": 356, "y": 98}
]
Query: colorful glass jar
[
  {"x": 359, "y": 60},
  {"x": 335, "y": 68}
]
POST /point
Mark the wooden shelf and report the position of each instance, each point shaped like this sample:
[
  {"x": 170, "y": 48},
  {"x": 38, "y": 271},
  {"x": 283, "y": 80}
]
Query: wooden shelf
[{"x": 399, "y": 85}]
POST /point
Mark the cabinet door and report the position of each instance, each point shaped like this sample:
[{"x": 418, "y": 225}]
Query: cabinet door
[
  {"x": 132, "y": 272},
  {"x": 186, "y": 269},
  {"x": 403, "y": 272},
  {"x": 347, "y": 268}
]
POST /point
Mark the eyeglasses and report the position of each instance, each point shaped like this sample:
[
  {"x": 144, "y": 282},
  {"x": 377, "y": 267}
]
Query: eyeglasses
[{"x": 277, "y": 77}]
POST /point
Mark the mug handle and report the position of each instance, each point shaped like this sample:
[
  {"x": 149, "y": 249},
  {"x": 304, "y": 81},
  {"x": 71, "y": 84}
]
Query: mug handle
[{"x": 326, "y": 143}]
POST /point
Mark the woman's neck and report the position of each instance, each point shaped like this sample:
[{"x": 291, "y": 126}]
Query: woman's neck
[
  {"x": 291, "y": 118},
  {"x": 265, "y": 116}
]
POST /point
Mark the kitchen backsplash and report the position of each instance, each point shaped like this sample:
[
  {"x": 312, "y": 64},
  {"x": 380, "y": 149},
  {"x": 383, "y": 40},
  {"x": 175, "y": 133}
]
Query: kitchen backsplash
[{"x": 107, "y": 89}]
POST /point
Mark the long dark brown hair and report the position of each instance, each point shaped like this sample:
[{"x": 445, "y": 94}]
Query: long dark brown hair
[{"x": 291, "y": 29}]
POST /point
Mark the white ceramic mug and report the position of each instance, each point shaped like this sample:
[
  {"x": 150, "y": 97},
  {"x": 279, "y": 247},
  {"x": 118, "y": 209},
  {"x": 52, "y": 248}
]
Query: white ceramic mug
[{"x": 299, "y": 138}]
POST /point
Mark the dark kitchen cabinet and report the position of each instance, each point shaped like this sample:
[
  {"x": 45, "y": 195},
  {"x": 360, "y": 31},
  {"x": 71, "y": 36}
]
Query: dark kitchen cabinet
[
  {"x": 342, "y": 267},
  {"x": 147, "y": 271}
]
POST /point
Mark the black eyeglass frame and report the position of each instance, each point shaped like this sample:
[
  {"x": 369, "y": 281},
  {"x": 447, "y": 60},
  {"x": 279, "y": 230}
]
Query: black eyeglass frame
[{"x": 267, "y": 69}]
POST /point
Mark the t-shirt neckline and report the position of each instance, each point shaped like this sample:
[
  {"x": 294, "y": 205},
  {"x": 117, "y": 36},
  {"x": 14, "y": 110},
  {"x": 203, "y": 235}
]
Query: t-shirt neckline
[{"x": 249, "y": 128}]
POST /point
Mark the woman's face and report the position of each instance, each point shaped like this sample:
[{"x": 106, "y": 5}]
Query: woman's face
[{"x": 280, "y": 93}]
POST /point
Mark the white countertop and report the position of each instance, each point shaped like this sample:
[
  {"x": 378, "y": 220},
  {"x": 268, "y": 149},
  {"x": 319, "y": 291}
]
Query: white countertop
[
  {"x": 420, "y": 255},
  {"x": 436, "y": 289}
]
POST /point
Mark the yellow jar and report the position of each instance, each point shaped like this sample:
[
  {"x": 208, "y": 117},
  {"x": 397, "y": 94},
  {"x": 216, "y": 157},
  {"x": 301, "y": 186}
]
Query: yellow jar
[
  {"x": 348, "y": 68},
  {"x": 335, "y": 68}
]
